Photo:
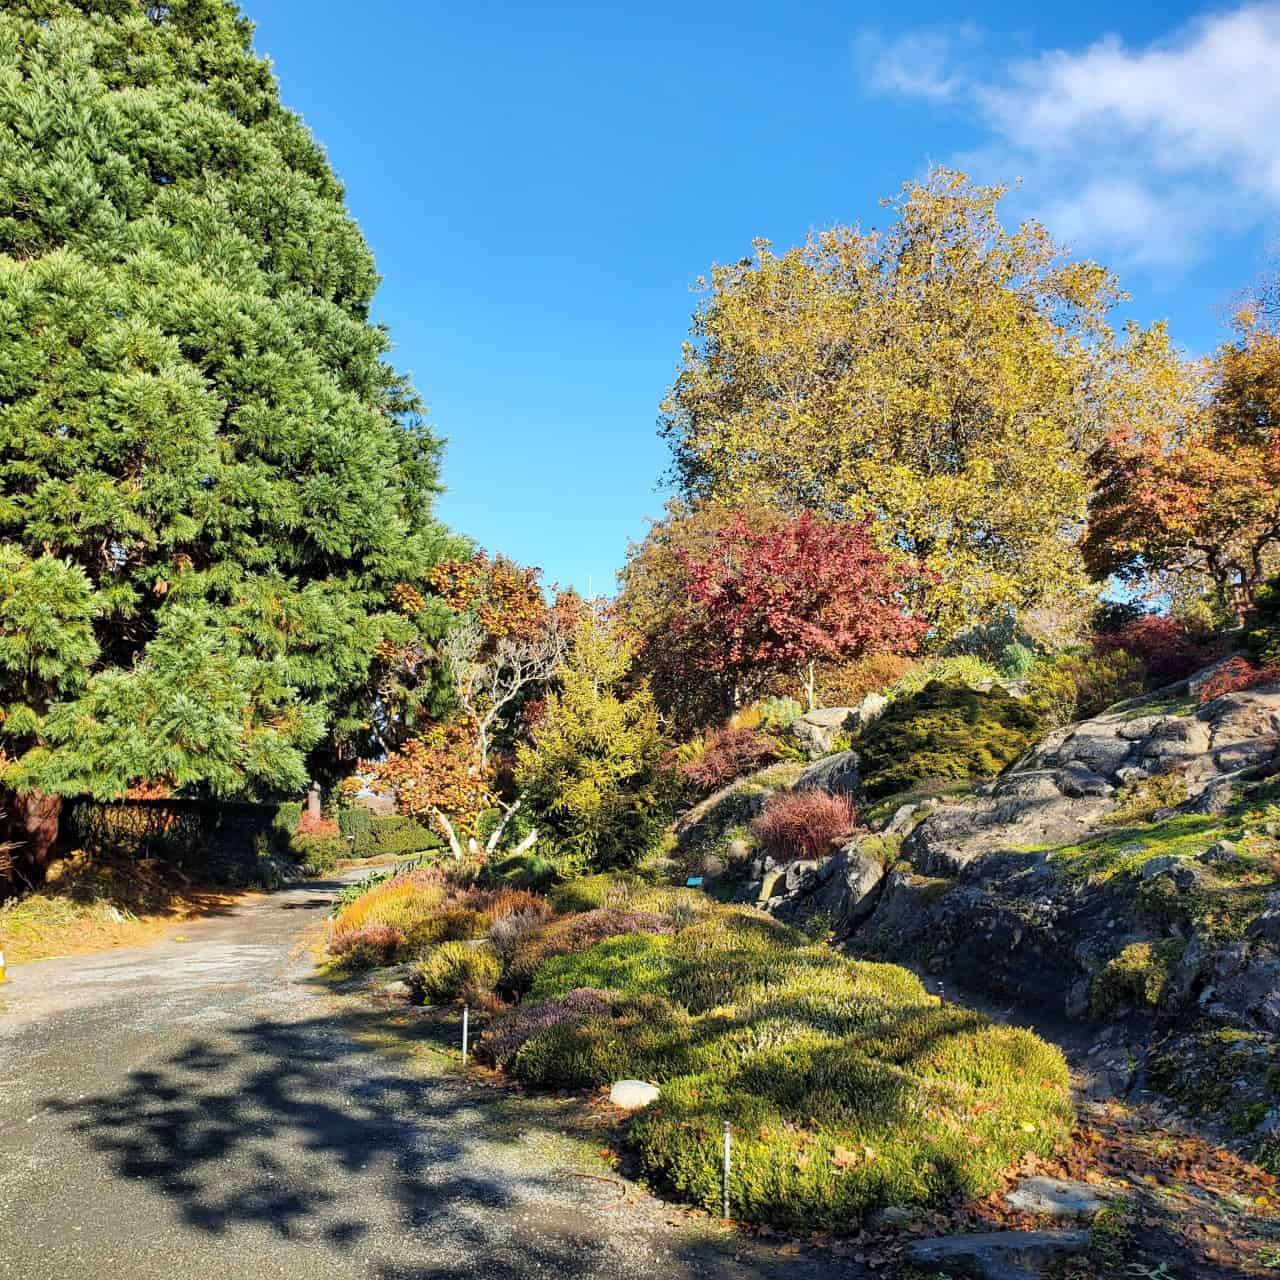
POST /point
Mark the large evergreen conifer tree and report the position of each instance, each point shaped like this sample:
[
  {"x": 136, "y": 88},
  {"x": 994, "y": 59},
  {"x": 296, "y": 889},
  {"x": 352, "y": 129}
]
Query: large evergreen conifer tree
[{"x": 210, "y": 476}]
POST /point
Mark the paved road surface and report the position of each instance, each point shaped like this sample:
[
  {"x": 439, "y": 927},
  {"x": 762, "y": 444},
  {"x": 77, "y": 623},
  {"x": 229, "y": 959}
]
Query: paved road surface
[{"x": 195, "y": 1111}]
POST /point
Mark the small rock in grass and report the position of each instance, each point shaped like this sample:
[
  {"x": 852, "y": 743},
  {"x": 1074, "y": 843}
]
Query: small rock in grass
[
  {"x": 397, "y": 989},
  {"x": 1055, "y": 1197},
  {"x": 1222, "y": 852},
  {"x": 996, "y": 1255},
  {"x": 630, "y": 1095},
  {"x": 894, "y": 1215}
]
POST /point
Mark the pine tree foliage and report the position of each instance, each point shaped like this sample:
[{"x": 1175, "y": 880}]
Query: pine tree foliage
[{"x": 209, "y": 471}]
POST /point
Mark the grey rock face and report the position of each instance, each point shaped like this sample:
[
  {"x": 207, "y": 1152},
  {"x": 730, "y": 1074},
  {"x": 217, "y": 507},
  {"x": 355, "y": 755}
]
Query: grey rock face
[
  {"x": 844, "y": 888},
  {"x": 1055, "y": 1197},
  {"x": 837, "y": 774},
  {"x": 996, "y": 1255},
  {"x": 1060, "y": 789},
  {"x": 816, "y": 731}
]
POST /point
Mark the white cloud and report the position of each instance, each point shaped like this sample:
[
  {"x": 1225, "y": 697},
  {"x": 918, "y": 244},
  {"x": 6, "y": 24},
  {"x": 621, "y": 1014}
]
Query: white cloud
[
  {"x": 918, "y": 65},
  {"x": 1141, "y": 151}
]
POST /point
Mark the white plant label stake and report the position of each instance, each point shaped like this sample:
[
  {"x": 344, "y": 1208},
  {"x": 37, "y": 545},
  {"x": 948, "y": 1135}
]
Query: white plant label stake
[
  {"x": 466, "y": 1010},
  {"x": 728, "y": 1146}
]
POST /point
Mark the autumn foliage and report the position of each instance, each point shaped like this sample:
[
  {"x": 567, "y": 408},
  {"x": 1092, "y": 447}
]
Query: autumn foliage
[
  {"x": 772, "y": 601},
  {"x": 802, "y": 824},
  {"x": 1198, "y": 496},
  {"x": 1168, "y": 648},
  {"x": 1235, "y": 676},
  {"x": 438, "y": 772},
  {"x": 728, "y": 754}
]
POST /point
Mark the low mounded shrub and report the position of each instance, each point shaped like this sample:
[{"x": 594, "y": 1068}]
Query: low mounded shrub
[
  {"x": 728, "y": 754},
  {"x": 777, "y": 714},
  {"x": 1236, "y": 676},
  {"x": 320, "y": 854},
  {"x": 1079, "y": 686},
  {"x": 945, "y": 731},
  {"x": 510, "y": 1030},
  {"x": 847, "y": 1086},
  {"x": 456, "y": 971},
  {"x": 574, "y": 933},
  {"x": 369, "y": 947},
  {"x": 803, "y": 824}
]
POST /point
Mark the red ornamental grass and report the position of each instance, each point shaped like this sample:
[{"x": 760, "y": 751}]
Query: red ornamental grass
[
  {"x": 802, "y": 824},
  {"x": 1235, "y": 677}
]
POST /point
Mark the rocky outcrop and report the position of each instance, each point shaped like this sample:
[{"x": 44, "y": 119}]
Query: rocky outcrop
[
  {"x": 843, "y": 889},
  {"x": 1063, "y": 788},
  {"x": 836, "y": 773},
  {"x": 817, "y": 731},
  {"x": 1170, "y": 956}
]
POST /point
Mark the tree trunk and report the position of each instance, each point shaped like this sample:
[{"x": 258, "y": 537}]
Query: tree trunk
[
  {"x": 32, "y": 822},
  {"x": 809, "y": 687}
]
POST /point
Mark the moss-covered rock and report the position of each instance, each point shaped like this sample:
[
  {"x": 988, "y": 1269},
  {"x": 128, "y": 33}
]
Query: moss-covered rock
[{"x": 944, "y": 731}]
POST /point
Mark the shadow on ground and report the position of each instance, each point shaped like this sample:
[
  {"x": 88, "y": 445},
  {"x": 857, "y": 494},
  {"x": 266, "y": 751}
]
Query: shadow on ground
[{"x": 296, "y": 1130}]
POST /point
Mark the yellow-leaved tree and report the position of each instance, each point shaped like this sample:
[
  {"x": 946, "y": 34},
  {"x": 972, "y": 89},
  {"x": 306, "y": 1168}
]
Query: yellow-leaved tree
[
  {"x": 592, "y": 776},
  {"x": 944, "y": 375}
]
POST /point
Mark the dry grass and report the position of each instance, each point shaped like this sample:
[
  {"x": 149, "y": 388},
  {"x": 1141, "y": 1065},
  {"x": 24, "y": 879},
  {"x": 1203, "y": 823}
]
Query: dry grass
[{"x": 96, "y": 903}]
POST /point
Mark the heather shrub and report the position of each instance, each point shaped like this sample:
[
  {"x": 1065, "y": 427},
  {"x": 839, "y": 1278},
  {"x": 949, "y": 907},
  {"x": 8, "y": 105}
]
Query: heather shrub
[
  {"x": 368, "y": 947},
  {"x": 605, "y": 889},
  {"x": 502, "y": 1041},
  {"x": 639, "y": 1036},
  {"x": 848, "y": 1087},
  {"x": 508, "y": 933},
  {"x": 631, "y": 964},
  {"x": 402, "y": 902},
  {"x": 1235, "y": 676},
  {"x": 457, "y": 971},
  {"x": 1168, "y": 648},
  {"x": 728, "y": 754},
  {"x": 942, "y": 732},
  {"x": 803, "y": 824},
  {"x": 1077, "y": 686},
  {"x": 571, "y": 934}
]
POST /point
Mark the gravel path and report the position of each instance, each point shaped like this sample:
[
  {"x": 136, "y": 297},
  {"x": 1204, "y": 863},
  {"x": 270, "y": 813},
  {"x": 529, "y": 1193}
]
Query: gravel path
[{"x": 200, "y": 1108}]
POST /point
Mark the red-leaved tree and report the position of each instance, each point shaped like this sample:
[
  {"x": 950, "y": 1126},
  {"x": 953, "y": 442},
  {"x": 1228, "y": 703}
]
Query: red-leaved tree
[{"x": 775, "y": 601}]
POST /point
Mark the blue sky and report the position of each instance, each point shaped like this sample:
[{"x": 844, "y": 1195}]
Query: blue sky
[{"x": 542, "y": 183}]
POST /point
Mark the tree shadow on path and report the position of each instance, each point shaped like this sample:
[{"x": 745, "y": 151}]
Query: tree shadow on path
[{"x": 296, "y": 1133}]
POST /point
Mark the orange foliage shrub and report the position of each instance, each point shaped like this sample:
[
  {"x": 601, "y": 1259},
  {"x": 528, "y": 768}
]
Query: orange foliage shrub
[
  {"x": 847, "y": 683},
  {"x": 730, "y": 753}
]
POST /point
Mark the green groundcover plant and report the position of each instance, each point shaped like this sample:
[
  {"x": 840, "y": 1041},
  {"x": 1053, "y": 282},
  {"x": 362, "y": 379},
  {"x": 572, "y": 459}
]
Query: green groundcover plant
[{"x": 846, "y": 1085}]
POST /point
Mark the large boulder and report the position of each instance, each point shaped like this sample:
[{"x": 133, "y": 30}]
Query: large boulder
[
  {"x": 836, "y": 773},
  {"x": 843, "y": 889},
  {"x": 817, "y": 731}
]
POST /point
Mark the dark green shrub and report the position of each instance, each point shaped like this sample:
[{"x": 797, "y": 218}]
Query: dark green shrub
[
  {"x": 945, "y": 731},
  {"x": 1262, "y": 627},
  {"x": 390, "y": 836},
  {"x": 354, "y": 825},
  {"x": 285, "y": 823},
  {"x": 319, "y": 854},
  {"x": 521, "y": 871}
]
